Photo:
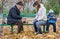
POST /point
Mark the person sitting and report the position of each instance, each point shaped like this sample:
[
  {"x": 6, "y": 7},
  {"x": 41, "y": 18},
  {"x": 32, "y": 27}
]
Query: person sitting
[
  {"x": 14, "y": 16},
  {"x": 40, "y": 18},
  {"x": 51, "y": 20}
]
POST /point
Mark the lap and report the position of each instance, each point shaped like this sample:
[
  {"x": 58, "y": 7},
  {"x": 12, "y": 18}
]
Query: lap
[
  {"x": 41, "y": 22},
  {"x": 17, "y": 22},
  {"x": 35, "y": 21}
]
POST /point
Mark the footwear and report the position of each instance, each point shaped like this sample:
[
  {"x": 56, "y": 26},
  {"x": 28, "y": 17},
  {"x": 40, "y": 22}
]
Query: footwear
[
  {"x": 35, "y": 32},
  {"x": 39, "y": 33}
]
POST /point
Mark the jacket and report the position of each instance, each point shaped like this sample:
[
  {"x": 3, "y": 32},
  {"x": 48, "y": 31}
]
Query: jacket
[
  {"x": 41, "y": 14},
  {"x": 14, "y": 15}
]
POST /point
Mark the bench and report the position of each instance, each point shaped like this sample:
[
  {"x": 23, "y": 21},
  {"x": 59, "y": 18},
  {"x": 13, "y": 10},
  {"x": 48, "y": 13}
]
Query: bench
[
  {"x": 23, "y": 24},
  {"x": 12, "y": 26},
  {"x": 5, "y": 16}
]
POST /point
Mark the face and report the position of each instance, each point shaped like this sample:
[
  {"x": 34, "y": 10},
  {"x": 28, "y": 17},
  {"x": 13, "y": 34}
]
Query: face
[
  {"x": 19, "y": 6},
  {"x": 35, "y": 6}
]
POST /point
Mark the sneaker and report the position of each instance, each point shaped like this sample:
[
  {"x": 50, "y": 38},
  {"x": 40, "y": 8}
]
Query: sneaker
[{"x": 35, "y": 33}]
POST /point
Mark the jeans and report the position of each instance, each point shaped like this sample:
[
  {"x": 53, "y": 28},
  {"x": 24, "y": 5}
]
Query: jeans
[
  {"x": 54, "y": 26},
  {"x": 37, "y": 26}
]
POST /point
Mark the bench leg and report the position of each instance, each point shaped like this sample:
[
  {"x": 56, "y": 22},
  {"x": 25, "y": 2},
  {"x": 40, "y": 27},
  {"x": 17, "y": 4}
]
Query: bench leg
[
  {"x": 12, "y": 29},
  {"x": 44, "y": 28}
]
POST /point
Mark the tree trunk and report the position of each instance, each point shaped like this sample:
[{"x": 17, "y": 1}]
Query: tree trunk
[
  {"x": 59, "y": 8},
  {"x": 0, "y": 6}
]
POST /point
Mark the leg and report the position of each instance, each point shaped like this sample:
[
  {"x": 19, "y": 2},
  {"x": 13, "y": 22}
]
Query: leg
[
  {"x": 35, "y": 26},
  {"x": 12, "y": 29},
  {"x": 44, "y": 28},
  {"x": 47, "y": 26},
  {"x": 38, "y": 24},
  {"x": 20, "y": 26},
  {"x": 54, "y": 27}
]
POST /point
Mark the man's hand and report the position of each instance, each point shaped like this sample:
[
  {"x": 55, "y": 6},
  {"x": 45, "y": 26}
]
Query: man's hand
[{"x": 24, "y": 19}]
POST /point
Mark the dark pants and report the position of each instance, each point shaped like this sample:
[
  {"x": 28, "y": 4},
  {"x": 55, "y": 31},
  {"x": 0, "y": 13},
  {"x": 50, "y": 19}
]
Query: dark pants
[
  {"x": 54, "y": 26},
  {"x": 20, "y": 26}
]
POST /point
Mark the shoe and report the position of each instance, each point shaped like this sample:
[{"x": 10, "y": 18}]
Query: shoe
[{"x": 35, "y": 33}]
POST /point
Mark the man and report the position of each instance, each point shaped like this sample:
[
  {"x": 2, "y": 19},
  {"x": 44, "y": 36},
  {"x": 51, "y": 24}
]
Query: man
[{"x": 14, "y": 16}]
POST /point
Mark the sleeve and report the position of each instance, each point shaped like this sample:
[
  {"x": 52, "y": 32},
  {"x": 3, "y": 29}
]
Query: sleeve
[
  {"x": 41, "y": 13},
  {"x": 14, "y": 14},
  {"x": 36, "y": 16}
]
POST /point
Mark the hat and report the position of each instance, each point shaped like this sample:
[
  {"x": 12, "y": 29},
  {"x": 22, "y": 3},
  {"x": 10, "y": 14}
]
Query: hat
[
  {"x": 51, "y": 11},
  {"x": 20, "y": 3}
]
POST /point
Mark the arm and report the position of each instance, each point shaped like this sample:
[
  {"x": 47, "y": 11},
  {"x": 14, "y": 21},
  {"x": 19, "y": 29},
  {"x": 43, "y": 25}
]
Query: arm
[
  {"x": 41, "y": 13},
  {"x": 14, "y": 14}
]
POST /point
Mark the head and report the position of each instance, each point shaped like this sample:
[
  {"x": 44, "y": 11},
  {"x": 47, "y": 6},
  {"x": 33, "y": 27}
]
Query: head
[
  {"x": 19, "y": 5},
  {"x": 51, "y": 12},
  {"x": 36, "y": 5}
]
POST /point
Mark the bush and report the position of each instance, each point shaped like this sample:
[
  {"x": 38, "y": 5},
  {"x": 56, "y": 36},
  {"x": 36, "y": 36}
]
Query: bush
[{"x": 56, "y": 9}]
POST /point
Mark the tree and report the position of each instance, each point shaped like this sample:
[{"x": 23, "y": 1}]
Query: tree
[
  {"x": 59, "y": 1},
  {"x": 0, "y": 6},
  {"x": 59, "y": 8},
  {"x": 52, "y": 4}
]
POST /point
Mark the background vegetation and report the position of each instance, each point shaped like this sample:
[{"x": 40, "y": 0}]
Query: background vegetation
[{"x": 28, "y": 8}]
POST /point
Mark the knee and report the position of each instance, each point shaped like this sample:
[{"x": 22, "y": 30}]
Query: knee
[
  {"x": 38, "y": 24},
  {"x": 34, "y": 23},
  {"x": 20, "y": 21}
]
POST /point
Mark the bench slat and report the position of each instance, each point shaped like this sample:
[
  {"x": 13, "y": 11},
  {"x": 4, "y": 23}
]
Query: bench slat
[{"x": 10, "y": 25}]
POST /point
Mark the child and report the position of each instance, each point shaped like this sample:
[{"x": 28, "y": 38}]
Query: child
[{"x": 51, "y": 20}]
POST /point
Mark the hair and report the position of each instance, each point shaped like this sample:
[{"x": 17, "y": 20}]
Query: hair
[
  {"x": 20, "y": 3},
  {"x": 36, "y": 4}
]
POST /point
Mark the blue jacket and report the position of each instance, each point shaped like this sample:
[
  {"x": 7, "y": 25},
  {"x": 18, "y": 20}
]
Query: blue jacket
[
  {"x": 51, "y": 18},
  {"x": 14, "y": 15}
]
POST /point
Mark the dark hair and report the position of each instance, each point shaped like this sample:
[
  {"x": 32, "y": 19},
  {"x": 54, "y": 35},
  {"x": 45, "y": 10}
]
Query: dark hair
[
  {"x": 36, "y": 4},
  {"x": 20, "y": 3}
]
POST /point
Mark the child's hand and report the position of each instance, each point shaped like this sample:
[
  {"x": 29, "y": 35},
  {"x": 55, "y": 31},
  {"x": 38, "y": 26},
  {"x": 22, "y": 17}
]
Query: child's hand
[{"x": 55, "y": 18}]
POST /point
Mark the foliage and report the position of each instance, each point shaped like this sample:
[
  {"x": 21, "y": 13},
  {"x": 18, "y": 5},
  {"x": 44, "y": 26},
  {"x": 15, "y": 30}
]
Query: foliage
[
  {"x": 49, "y": 4},
  {"x": 52, "y": 4}
]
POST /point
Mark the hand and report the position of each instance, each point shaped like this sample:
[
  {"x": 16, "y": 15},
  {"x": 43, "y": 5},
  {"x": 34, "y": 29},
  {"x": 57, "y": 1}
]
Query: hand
[
  {"x": 24, "y": 19},
  {"x": 35, "y": 19}
]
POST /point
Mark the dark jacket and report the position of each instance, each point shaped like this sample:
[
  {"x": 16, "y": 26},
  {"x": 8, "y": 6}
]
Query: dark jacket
[{"x": 14, "y": 15}]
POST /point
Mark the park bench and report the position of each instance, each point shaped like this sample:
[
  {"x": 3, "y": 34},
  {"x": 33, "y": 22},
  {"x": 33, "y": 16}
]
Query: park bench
[{"x": 31, "y": 16}]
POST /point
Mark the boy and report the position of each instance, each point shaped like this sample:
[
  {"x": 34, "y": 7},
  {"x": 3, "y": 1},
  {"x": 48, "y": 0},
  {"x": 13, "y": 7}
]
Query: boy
[{"x": 51, "y": 20}]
